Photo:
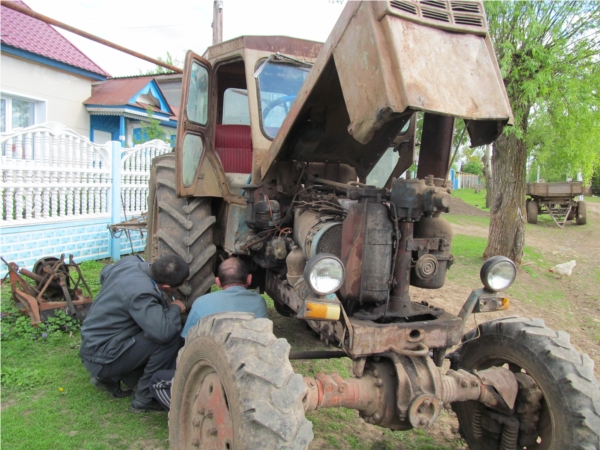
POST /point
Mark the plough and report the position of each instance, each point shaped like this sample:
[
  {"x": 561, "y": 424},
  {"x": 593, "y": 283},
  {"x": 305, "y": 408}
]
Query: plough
[{"x": 53, "y": 287}]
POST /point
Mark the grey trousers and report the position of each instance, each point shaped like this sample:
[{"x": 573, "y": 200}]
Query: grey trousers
[{"x": 138, "y": 363}]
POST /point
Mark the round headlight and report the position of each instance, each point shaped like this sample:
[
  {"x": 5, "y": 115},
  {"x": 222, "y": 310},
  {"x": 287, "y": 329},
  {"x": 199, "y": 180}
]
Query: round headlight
[
  {"x": 498, "y": 273},
  {"x": 324, "y": 273}
]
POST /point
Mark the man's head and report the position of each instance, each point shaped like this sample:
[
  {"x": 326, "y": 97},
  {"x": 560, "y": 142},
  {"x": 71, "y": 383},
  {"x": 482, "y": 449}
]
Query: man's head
[
  {"x": 169, "y": 271},
  {"x": 233, "y": 272}
]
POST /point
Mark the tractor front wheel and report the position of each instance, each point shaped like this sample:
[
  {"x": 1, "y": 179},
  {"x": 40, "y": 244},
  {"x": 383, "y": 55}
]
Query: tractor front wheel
[
  {"x": 558, "y": 404},
  {"x": 235, "y": 388}
]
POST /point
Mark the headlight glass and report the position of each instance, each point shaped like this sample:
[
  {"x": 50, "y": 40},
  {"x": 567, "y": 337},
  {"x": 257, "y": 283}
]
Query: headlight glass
[
  {"x": 498, "y": 273},
  {"x": 324, "y": 273}
]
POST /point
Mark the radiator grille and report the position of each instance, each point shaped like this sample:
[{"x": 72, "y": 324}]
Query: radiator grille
[
  {"x": 331, "y": 241},
  {"x": 465, "y": 14}
]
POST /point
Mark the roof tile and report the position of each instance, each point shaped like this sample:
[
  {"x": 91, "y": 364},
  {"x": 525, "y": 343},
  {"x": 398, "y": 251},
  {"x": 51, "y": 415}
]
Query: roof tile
[{"x": 32, "y": 35}]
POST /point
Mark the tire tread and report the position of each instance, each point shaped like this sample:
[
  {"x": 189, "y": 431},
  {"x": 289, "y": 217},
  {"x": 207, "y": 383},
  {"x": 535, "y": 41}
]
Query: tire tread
[
  {"x": 572, "y": 371},
  {"x": 273, "y": 413}
]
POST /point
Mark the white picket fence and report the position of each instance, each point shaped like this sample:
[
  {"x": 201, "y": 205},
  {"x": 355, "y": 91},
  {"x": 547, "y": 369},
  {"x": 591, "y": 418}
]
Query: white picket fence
[
  {"x": 51, "y": 173},
  {"x": 53, "y": 177},
  {"x": 467, "y": 180}
]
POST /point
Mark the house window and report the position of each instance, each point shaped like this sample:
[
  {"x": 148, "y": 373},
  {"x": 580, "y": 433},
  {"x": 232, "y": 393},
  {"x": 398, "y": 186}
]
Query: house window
[{"x": 20, "y": 112}]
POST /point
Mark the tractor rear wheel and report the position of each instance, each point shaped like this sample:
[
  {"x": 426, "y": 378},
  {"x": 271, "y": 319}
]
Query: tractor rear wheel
[
  {"x": 182, "y": 226},
  {"x": 558, "y": 405},
  {"x": 532, "y": 211},
  {"x": 581, "y": 215},
  {"x": 235, "y": 388}
]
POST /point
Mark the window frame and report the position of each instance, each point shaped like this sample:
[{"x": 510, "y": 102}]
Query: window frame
[{"x": 39, "y": 110}]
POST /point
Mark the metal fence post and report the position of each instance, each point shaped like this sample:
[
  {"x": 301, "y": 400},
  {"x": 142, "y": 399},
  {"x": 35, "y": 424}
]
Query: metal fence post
[{"x": 115, "y": 204}]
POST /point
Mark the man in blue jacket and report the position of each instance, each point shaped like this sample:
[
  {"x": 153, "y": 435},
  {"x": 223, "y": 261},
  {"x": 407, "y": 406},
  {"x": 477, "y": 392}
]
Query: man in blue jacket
[{"x": 132, "y": 329}]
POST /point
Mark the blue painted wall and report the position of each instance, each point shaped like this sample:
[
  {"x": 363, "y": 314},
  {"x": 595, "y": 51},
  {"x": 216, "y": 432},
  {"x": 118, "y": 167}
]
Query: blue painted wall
[
  {"x": 108, "y": 124},
  {"x": 85, "y": 240}
]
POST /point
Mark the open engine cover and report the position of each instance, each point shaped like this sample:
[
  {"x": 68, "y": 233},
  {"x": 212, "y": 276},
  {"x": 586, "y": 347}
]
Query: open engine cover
[{"x": 379, "y": 65}]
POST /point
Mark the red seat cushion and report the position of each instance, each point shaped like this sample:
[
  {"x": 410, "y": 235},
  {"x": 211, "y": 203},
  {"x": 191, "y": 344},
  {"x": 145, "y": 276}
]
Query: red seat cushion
[{"x": 233, "y": 144}]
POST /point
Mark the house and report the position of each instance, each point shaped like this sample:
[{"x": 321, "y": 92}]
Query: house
[
  {"x": 119, "y": 106},
  {"x": 44, "y": 77}
]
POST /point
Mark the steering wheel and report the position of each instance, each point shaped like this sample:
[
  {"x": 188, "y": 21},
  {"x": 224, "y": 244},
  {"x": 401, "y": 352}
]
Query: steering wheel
[{"x": 278, "y": 101}]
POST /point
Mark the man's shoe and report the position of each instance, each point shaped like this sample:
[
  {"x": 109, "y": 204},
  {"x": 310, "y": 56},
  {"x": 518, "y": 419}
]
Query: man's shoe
[
  {"x": 140, "y": 405},
  {"x": 112, "y": 387}
]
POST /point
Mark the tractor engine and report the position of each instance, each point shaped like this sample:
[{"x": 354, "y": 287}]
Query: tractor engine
[{"x": 385, "y": 239}]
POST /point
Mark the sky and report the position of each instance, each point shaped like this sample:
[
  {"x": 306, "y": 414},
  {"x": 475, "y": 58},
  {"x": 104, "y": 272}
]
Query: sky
[{"x": 154, "y": 28}]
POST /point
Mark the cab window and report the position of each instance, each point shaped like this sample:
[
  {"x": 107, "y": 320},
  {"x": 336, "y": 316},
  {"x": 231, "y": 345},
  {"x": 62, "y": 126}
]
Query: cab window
[{"x": 278, "y": 85}]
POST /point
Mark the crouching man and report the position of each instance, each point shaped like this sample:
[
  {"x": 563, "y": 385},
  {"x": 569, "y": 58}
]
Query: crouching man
[
  {"x": 132, "y": 329},
  {"x": 234, "y": 278}
]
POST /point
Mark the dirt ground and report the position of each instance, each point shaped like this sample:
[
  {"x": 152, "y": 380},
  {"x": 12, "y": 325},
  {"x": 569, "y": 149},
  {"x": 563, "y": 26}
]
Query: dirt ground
[
  {"x": 581, "y": 291},
  {"x": 578, "y": 312}
]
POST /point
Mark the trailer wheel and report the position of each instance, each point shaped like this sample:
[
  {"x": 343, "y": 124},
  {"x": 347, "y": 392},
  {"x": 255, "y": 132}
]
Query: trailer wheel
[
  {"x": 181, "y": 226},
  {"x": 569, "y": 409},
  {"x": 235, "y": 388},
  {"x": 581, "y": 215},
  {"x": 532, "y": 211}
]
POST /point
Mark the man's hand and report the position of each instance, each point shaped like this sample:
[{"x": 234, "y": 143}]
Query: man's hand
[{"x": 180, "y": 304}]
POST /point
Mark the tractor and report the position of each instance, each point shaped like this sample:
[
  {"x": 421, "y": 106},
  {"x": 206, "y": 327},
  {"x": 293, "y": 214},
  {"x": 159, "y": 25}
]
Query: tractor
[{"x": 293, "y": 155}]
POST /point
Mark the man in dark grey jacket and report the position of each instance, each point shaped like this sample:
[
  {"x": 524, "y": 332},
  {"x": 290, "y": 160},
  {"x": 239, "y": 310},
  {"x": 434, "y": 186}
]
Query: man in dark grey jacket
[{"x": 132, "y": 329}]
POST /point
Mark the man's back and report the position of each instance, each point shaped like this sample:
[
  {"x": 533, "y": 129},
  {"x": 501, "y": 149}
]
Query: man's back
[{"x": 234, "y": 298}]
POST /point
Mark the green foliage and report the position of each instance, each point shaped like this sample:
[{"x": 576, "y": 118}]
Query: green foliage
[
  {"x": 474, "y": 166},
  {"x": 160, "y": 70},
  {"x": 548, "y": 53},
  {"x": 151, "y": 129},
  {"x": 20, "y": 377},
  {"x": 16, "y": 326}
]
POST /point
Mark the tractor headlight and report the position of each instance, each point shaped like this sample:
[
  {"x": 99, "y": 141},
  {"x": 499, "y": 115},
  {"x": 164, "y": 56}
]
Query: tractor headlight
[
  {"x": 324, "y": 273},
  {"x": 498, "y": 273}
]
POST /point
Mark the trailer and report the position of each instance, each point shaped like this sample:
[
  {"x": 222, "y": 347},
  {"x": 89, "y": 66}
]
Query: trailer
[{"x": 557, "y": 200}]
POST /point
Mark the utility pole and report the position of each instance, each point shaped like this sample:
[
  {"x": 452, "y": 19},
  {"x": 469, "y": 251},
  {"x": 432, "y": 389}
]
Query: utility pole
[{"x": 217, "y": 24}]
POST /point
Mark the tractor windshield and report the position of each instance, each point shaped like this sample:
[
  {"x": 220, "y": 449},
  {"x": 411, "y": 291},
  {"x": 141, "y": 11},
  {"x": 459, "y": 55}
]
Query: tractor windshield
[{"x": 278, "y": 85}]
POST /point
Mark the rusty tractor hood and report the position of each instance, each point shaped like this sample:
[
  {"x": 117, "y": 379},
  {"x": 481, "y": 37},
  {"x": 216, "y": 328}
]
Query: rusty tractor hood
[{"x": 383, "y": 61}]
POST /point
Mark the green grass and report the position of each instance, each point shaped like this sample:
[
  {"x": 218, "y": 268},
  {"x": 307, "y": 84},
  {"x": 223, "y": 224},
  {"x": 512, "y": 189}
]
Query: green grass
[
  {"x": 469, "y": 196},
  {"x": 592, "y": 199},
  {"x": 37, "y": 415}
]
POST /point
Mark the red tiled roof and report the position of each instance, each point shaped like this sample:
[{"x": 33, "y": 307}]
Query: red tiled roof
[
  {"x": 26, "y": 33},
  {"x": 117, "y": 91}
]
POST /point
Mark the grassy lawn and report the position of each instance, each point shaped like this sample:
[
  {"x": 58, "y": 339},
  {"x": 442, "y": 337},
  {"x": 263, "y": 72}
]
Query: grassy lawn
[
  {"x": 592, "y": 198},
  {"x": 471, "y": 197}
]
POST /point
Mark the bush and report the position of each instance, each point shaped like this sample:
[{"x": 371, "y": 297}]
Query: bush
[{"x": 15, "y": 325}]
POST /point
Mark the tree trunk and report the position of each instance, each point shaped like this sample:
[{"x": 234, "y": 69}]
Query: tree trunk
[
  {"x": 507, "y": 215},
  {"x": 487, "y": 175}
]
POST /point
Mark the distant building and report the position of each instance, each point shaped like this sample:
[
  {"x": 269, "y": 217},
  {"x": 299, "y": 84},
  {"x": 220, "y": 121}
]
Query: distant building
[
  {"x": 119, "y": 106},
  {"x": 44, "y": 77}
]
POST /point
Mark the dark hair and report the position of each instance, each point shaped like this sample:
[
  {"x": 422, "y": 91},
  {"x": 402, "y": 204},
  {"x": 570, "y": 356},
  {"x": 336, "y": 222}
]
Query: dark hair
[
  {"x": 170, "y": 269},
  {"x": 232, "y": 271}
]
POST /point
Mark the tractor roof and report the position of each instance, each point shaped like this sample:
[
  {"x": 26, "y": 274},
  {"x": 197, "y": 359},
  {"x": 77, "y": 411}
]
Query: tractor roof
[{"x": 301, "y": 48}]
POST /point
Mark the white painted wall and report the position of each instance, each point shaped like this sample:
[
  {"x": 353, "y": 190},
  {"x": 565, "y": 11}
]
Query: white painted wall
[{"x": 63, "y": 93}]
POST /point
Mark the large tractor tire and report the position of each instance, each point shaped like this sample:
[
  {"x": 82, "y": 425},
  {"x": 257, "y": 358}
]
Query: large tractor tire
[
  {"x": 181, "y": 226},
  {"x": 532, "y": 211},
  {"x": 235, "y": 388},
  {"x": 581, "y": 215},
  {"x": 560, "y": 380}
]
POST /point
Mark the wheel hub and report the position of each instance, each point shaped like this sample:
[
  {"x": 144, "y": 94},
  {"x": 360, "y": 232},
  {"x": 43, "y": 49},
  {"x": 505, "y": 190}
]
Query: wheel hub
[{"x": 212, "y": 424}]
